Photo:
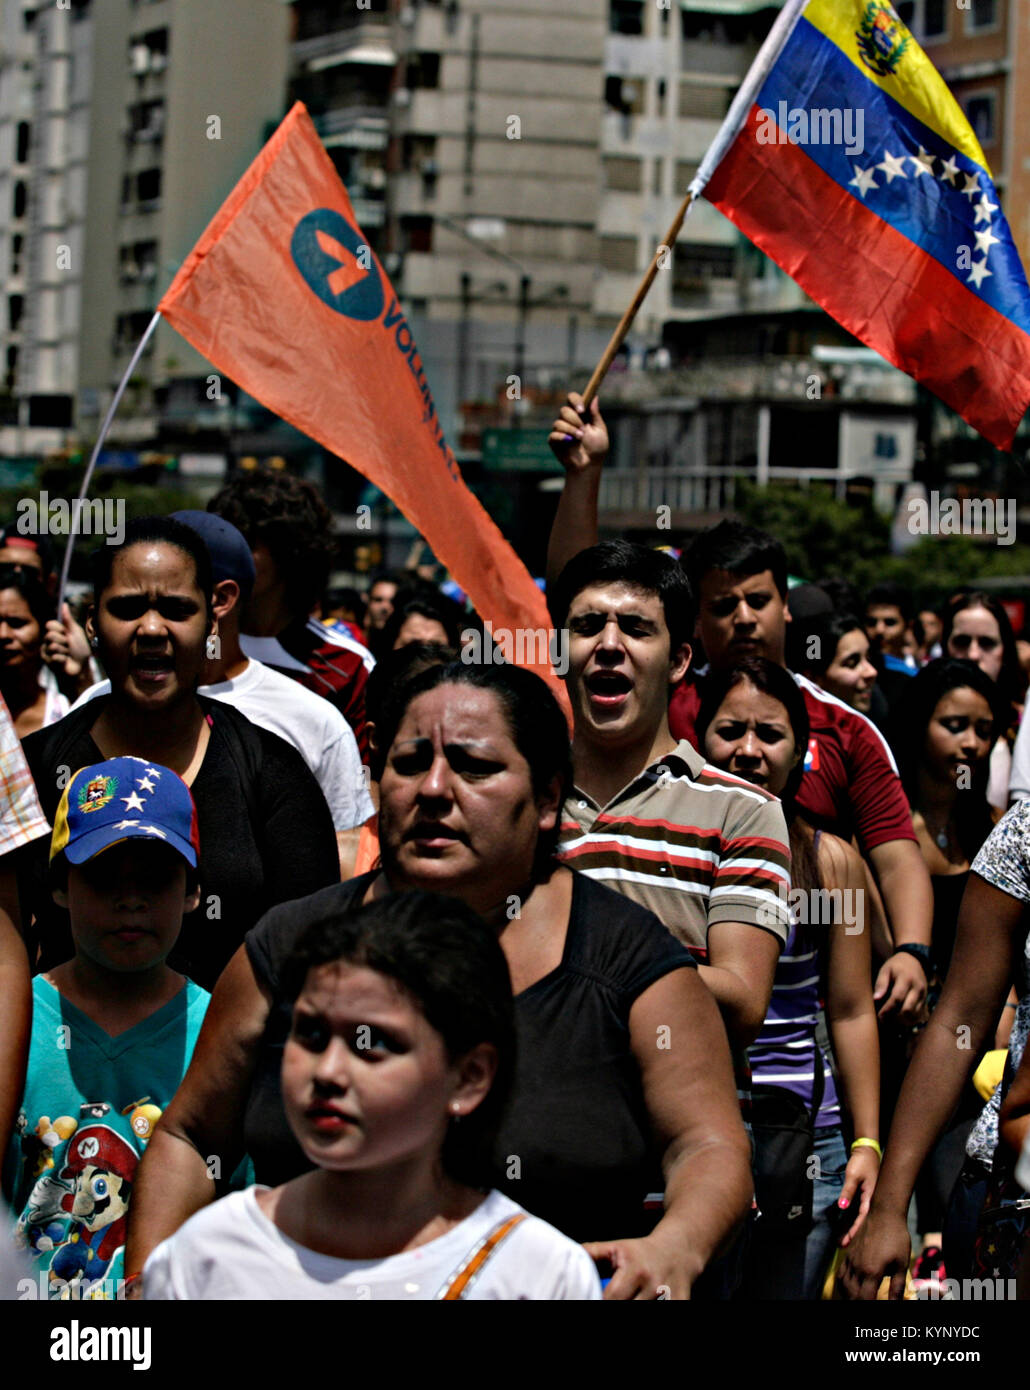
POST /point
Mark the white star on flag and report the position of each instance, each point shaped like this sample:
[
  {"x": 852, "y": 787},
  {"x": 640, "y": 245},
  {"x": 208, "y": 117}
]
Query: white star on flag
[
  {"x": 893, "y": 166},
  {"x": 949, "y": 170},
  {"x": 152, "y": 772},
  {"x": 985, "y": 240},
  {"x": 984, "y": 208},
  {"x": 126, "y": 824},
  {"x": 145, "y": 784},
  {"x": 153, "y": 830},
  {"x": 922, "y": 162},
  {"x": 978, "y": 272},
  {"x": 864, "y": 180},
  {"x": 132, "y": 803},
  {"x": 972, "y": 186}
]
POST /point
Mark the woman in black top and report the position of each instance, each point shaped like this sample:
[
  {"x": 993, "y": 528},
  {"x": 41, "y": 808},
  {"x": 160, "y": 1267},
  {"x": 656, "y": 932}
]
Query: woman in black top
[
  {"x": 265, "y": 830},
  {"x": 942, "y": 733},
  {"x": 623, "y": 1084}
]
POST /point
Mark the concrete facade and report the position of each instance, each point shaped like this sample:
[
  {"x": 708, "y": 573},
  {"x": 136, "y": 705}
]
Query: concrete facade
[{"x": 138, "y": 125}]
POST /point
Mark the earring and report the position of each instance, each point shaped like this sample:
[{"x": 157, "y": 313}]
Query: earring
[
  {"x": 456, "y": 1109},
  {"x": 94, "y": 642}
]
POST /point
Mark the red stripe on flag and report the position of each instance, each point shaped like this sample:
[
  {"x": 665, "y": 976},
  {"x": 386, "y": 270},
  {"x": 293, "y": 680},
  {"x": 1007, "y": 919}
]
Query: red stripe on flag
[{"x": 879, "y": 285}]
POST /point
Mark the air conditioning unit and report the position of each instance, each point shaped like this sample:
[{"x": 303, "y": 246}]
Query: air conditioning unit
[
  {"x": 375, "y": 178},
  {"x": 407, "y": 16},
  {"x": 158, "y": 62},
  {"x": 402, "y": 96},
  {"x": 130, "y": 271},
  {"x": 139, "y": 59}
]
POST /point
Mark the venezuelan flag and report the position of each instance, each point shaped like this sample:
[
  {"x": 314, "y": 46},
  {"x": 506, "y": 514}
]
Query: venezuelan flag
[{"x": 857, "y": 172}]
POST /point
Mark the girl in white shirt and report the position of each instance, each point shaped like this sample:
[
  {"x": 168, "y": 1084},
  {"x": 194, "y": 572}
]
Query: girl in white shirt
[{"x": 394, "y": 1075}]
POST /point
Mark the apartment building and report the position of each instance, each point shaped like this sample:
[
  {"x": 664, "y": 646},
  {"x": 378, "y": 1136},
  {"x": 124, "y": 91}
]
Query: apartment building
[{"x": 123, "y": 123}]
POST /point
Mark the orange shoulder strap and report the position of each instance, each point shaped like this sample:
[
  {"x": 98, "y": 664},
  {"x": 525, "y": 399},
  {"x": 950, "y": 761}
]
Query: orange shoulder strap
[{"x": 457, "y": 1284}]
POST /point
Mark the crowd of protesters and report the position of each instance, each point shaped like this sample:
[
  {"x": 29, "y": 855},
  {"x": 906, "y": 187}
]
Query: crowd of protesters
[{"x": 335, "y": 964}]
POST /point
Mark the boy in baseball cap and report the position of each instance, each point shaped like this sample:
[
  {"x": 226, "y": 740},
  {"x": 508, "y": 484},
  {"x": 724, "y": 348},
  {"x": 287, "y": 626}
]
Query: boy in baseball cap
[{"x": 113, "y": 1028}]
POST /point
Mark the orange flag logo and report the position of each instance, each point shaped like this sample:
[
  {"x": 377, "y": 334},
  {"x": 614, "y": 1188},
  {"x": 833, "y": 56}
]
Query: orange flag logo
[{"x": 283, "y": 294}]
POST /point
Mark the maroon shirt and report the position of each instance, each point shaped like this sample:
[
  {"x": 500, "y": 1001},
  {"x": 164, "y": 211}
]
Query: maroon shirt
[{"x": 851, "y": 784}]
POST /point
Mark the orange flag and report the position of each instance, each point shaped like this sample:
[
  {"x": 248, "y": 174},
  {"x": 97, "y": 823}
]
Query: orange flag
[{"x": 283, "y": 295}]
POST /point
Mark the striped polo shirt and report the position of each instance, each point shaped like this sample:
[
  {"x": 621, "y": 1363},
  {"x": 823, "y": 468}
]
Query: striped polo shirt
[{"x": 691, "y": 843}]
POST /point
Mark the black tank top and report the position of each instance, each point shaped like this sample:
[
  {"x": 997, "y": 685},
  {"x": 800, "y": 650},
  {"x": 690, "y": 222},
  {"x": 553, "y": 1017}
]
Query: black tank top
[
  {"x": 947, "y": 899},
  {"x": 576, "y": 1145}
]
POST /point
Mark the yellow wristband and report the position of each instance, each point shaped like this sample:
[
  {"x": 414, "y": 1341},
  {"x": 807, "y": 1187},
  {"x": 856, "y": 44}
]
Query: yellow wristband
[{"x": 868, "y": 1144}]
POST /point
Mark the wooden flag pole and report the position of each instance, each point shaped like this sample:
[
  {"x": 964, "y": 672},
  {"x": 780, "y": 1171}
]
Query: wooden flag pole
[{"x": 626, "y": 322}]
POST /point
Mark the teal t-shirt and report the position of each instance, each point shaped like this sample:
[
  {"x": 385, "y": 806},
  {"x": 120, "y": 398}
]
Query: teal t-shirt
[{"x": 91, "y": 1103}]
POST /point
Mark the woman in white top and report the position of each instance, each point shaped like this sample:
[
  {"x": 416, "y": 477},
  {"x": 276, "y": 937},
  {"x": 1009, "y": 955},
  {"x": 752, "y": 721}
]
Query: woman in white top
[
  {"x": 394, "y": 1077},
  {"x": 28, "y": 686}
]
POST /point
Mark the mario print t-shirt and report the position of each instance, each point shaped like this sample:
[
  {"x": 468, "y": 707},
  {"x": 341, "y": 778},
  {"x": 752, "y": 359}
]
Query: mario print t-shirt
[{"x": 91, "y": 1103}]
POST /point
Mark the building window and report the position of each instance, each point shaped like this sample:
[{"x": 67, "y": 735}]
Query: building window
[
  {"x": 979, "y": 111},
  {"x": 148, "y": 53},
  {"x": 624, "y": 175},
  {"x": 935, "y": 19},
  {"x": 619, "y": 253},
  {"x": 983, "y": 15},
  {"x": 20, "y": 201},
  {"x": 148, "y": 186},
  {"x": 906, "y": 12},
  {"x": 22, "y": 143},
  {"x": 138, "y": 261},
  {"x": 695, "y": 266},
  {"x": 423, "y": 71},
  {"x": 625, "y": 94},
  {"x": 416, "y": 152},
  {"x": 703, "y": 102},
  {"x": 129, "y": 329},
  {"x": 147, "y": 120},
  {"x": 17, "y": 245},
  {"x": 417, "y": 234},
  {"x": 626, "y": 17},
  {"x": 15, "y": 309}
]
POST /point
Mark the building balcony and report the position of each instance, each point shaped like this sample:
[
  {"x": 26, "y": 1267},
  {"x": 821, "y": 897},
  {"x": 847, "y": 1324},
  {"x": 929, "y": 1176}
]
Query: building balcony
[
  {"x": 356, "y": 127},
  {"x": 368, "y": 40},
  {"x": 701, "y": 496}
]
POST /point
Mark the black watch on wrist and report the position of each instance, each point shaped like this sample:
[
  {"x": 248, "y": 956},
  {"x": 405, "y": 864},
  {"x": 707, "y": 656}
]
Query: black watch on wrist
[{"x": 921, "y": 953}]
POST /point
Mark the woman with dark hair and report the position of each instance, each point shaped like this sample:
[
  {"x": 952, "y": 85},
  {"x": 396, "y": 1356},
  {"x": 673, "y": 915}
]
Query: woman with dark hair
[
  {"x": 977, "y": 629},
  {"x": 27, "y": 685},
  {"x": 942, "y": 734},
  {"x": 266, "y": 828},
  {"x": 753, "y": 721},
  {"x": 832, "y": 650},
  {"x": 421, "y": 614},
  {"x": 394, "y": 1078},
  {"x": 623, "y": 1085}
]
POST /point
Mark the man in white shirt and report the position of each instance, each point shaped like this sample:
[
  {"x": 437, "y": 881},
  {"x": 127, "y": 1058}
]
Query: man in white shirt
[{"x": 312, "y": 725}]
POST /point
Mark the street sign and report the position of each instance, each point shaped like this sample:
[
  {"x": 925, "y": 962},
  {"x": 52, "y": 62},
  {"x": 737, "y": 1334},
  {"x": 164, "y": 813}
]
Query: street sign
[
  {"x": 18, "y": 472},
  {"x": 518, "y": 450}
]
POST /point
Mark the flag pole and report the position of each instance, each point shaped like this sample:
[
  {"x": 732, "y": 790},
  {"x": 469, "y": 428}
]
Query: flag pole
[
  {"x": 108, "y": 419},
  {"x": 727, "y": 133}
]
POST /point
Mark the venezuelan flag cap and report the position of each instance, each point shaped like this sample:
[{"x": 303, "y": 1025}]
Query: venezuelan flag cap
[{"x": 124, "y": 799}]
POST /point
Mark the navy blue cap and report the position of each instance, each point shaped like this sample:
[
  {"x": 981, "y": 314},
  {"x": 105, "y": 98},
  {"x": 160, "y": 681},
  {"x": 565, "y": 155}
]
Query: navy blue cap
[{"x": 229, "y": 551}]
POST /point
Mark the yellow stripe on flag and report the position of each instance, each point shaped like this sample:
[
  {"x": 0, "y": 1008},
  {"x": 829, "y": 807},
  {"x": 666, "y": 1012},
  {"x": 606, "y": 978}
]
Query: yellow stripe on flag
[{"x": 916, "y": 85}]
